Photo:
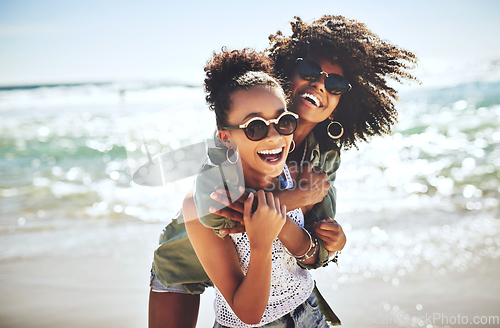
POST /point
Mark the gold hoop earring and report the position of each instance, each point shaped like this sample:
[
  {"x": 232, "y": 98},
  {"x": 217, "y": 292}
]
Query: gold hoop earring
[
  {"x": 228, "y": 157},
  {"x": 293, "y": 143},
  {"x": 338, "y": 130}
]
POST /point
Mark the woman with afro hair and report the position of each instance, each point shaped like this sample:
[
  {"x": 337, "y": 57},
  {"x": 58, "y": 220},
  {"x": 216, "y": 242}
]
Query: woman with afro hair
[{"x": 366, "y": 62}]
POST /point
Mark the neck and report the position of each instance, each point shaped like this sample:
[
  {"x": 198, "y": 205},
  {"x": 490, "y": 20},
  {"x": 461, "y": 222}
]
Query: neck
[
  {"x": 299, "y": 136},
  {"x": 302, "y": 131},
  {"x": 257, "y": 180}
]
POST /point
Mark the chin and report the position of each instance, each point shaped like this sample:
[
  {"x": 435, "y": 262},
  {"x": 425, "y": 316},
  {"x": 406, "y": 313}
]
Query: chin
[{"x": 272, "y": 171}]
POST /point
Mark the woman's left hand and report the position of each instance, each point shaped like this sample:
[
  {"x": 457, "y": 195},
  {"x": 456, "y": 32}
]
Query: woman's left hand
[
  {"x": 331, "y": 233},
  {"x": 232, "y": 211}
]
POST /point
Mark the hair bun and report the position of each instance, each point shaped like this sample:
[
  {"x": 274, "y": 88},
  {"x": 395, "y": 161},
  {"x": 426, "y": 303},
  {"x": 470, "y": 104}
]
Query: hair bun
[{"x": 227, "y": 66}]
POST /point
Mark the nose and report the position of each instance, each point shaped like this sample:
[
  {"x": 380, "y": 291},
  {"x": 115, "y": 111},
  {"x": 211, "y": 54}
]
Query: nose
[{"x": 319, "y": 84}]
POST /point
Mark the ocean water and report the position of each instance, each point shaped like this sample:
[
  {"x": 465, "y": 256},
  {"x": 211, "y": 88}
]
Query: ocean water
[
  {"x": 423, "y": 202},
  {"x": 64, "y": 165}
]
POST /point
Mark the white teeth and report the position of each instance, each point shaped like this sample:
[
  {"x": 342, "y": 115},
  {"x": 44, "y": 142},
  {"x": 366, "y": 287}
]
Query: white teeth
[
  {"x": 311, "y": 98},
  {"x": 270, "y": 151}
]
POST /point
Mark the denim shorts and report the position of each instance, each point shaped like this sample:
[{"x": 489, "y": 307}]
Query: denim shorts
[
  {"x": 156, "y": 286},
  {"x": 306, "y": 315}
]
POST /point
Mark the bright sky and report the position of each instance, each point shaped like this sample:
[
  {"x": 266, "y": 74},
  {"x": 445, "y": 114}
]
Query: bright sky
[{"x": 60, "y": 41}]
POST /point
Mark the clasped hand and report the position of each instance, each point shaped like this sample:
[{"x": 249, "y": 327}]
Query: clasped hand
[
  {"x": 263, "y": 225},
  {"x": 328, "y": 230}
]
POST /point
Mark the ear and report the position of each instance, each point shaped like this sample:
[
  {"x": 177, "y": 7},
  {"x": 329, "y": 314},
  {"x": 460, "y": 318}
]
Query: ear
[{"x": 224, "y": 137}]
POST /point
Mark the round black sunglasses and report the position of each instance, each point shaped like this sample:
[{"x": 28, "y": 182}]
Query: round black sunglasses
[
  {"x": 257, "y": 128},
  {"x": 311, "y": 71}
]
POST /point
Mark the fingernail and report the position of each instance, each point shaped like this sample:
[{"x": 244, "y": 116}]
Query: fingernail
[
  {"x": 213, "y": 195},
  {"x": 212, "y": 209},
  {"x": 222, "y": 231},
  {"x": 250, "y": 195},
  {"x": 241, "y": 189}
]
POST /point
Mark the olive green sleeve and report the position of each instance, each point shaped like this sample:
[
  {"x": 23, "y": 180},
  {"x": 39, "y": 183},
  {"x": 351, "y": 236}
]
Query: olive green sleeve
[
  {"x": 175, "y": 261},
  {"x": 208, "y": 181},
  {"x": 211, "y": 178},
  {"x": 329, "y": 161},
  {"x": 326, "y": 208}
]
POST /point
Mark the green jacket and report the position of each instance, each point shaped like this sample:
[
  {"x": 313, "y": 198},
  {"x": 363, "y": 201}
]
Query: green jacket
[{"x": 175, "y": 261}]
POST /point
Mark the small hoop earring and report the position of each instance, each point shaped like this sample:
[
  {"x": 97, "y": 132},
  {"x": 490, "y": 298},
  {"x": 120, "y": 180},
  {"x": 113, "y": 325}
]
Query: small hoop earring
[
  {"x": 339, "y": 128},
  {"x": 293, "y": 144},
  {"x": 229, "y": 158}
]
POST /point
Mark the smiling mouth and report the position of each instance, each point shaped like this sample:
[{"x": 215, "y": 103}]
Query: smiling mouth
[
  {"x": 312, "y": 99},
  {"x": 271, "y": 155}
]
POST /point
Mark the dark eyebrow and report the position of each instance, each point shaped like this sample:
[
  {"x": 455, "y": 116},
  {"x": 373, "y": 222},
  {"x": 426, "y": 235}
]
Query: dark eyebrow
[{"x": 259, "y": 114}]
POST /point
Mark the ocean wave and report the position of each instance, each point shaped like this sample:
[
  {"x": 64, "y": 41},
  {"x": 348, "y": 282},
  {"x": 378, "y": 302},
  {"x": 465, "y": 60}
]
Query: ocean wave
[{"x": 444, "y": 152}]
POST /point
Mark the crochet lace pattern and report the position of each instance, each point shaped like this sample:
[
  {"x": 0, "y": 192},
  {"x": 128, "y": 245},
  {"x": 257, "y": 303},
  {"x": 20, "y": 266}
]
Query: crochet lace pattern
[{"x": 291, "y": 285}]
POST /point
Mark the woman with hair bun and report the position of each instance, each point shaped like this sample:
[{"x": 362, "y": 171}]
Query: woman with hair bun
[
  {"x": 257, "y": 277},
  {"x": 178, "y": 277}
]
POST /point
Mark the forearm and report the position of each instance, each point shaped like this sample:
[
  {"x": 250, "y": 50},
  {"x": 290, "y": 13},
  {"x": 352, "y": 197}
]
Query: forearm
[
  {"x": 292, "y": 199},
  {"x": 298, "y": 242},
  {"x": 238, "y": 289},
  {"x": 254, "y": 288}
]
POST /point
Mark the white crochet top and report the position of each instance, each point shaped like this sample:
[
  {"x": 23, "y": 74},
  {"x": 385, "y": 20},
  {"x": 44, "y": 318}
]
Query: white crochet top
[{"x": 291, "y": 285}]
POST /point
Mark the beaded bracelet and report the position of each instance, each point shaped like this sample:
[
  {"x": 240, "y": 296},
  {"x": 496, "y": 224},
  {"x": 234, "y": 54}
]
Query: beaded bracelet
[{"x": 335, "y": 258}]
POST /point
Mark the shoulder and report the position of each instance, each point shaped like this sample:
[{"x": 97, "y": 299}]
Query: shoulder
[
  {"x": 189, "y": 207},
  {"x": 319, "y": 143}
]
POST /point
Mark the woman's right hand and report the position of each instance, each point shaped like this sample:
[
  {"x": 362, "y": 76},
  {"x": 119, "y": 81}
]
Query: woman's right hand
[{"x": 264, "y": 225}]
